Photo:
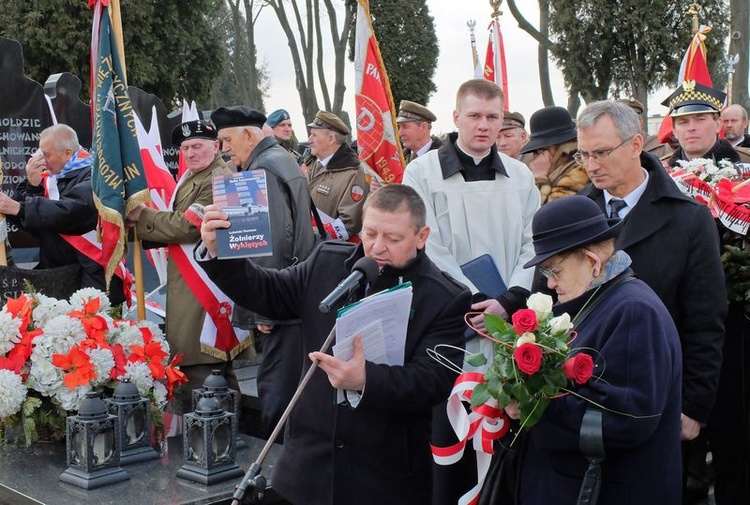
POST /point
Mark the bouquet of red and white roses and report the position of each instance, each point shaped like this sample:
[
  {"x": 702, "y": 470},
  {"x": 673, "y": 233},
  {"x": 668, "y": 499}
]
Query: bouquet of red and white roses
[
  {"x": 52, "y": 352},
  {"x": 532, "y": 362}
]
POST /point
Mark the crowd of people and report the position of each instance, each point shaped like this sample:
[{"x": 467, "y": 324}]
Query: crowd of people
[{"x": 582, "y": 209}]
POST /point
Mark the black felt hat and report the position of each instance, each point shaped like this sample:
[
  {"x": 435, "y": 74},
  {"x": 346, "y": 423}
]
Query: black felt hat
[
  {"x": 568, "y": 223},
  {"x": 237, "y": 115},
  {"x": 193, "y": 130},
  {"x": 549, "y": 126}
]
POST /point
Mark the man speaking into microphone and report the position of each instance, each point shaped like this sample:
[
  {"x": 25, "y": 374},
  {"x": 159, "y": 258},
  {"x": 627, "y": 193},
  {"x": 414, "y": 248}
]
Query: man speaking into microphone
[{"x": 377, "y": 452}]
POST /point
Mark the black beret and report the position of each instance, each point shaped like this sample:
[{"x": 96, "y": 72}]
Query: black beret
[
  {"x": 193, "y": 130},
  {"x": 237, "y": 115}
]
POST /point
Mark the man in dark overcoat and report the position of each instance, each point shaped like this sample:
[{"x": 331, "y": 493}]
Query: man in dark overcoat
[
  {"x": 377, "y": 451},
  {"x": 672, "y": 240},
  {"x": 240, "y": 131}
]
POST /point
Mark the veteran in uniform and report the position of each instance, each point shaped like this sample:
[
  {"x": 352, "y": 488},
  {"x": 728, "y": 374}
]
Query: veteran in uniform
[
  {"x": 336, "y": 178},
  {"x": 414, "y": 125},
  {"x": 512, "y": 135},
  {"x": 281, "y": 124},
  {"x": 197, "y": 140},
  {"x": 651, "y": 143}
]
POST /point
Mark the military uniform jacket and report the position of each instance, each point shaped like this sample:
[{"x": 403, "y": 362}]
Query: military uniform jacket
[
  {"x": 378, "y": 453},
  {"x": 673, "y": 242},
  {"x": 184, "y": 312},
  {"x": 339, "y": 189}
]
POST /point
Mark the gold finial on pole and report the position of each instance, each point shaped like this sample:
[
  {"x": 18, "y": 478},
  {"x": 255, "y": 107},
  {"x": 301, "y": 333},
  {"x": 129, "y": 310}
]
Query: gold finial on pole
[
  {"x": 693, "y": 13},
  {"x": 495, "y": 4}
]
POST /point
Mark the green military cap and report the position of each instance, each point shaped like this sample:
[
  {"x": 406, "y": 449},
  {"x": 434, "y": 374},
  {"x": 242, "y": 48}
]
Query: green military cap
[
  {"x": 329, "y": 121},
  {"x": 412, "y": 111},
  {"x": 694, "y": 98},
  {"x": 633, "y": 104},
  {"x": 512, "y": 120}
]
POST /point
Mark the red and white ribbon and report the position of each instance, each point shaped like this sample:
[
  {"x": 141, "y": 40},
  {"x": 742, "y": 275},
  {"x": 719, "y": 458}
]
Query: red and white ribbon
[{"x": 483, "y": 425}]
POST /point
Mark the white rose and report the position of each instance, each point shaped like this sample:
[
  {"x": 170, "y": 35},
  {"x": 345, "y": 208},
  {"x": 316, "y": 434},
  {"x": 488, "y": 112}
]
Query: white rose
[
  {"x": 526, "y": 338},
  {"x": 560, "y": 324},
  {"x": 541, "y": 304}
]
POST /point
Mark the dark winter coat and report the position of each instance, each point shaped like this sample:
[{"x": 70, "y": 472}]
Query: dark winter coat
[
  {"x": 73, "y": 214},
  {"x": 378, "y": 453},
  {"x": 636, "y": 353},
  {"x": 674, "y": 245}
]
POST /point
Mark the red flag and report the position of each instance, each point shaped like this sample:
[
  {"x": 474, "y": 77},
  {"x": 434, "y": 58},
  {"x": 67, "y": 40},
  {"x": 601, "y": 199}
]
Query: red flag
[
  {"x": 693, "y": 67},
  {"x": 378, "y": 145},
  {"x": 495, "y": 69}
]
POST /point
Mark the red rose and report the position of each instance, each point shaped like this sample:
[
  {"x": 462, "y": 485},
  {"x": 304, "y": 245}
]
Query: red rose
[
  {"x": 579, "y": 368},
  {"x": 528, "y": 358},
  {"x": 524, "y": 320}
]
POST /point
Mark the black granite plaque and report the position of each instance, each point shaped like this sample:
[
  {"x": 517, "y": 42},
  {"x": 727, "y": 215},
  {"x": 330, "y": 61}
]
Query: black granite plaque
[{"x": 24, "y": 113}]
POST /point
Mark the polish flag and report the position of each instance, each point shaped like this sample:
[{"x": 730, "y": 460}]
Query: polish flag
[{"x": 494, "y": 63}]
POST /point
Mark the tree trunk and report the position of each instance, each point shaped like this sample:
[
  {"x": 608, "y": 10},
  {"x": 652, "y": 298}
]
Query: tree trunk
[
  {"x": 543, "y": 55},
  {"x": 740, "y": 44}
]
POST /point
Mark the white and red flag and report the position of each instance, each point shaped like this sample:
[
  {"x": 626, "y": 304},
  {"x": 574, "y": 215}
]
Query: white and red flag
[
  {"x": 378, "y": 144},
  {"x": 694, "y": 67},
  {"x": 495, "y": 69},
  {"x": 189, "y": 113}
]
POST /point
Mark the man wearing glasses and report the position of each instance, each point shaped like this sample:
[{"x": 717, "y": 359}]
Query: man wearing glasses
[{"x": 672, "y": 240}]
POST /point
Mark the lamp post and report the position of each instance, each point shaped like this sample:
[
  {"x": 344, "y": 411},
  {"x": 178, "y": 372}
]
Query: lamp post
[
  {"x": 209, "y": 438},
  {"x": 93, "y": 446},
  {"x": 134, "y": 420}
]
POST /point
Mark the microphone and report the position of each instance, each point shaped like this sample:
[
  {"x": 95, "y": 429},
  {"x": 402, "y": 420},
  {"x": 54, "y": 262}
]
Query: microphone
[{"x": 365, "y": 269}]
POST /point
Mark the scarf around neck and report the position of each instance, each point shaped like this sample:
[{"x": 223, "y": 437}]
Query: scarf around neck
[{"x": 80, "y": 159}]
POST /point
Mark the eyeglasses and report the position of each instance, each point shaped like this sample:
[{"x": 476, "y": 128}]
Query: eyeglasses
[
  {"x": 582, "y": 157},
  {"x": 553, "y": 272}
]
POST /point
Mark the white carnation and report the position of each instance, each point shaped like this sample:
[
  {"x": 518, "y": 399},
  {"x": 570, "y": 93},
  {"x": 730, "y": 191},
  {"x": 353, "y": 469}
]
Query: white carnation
[
  {"x": 48, "y": 308},
  {"x": 541, "y": 304},
  {"x": 60, "y": 334},
  {"x": 160, "y": 395},
  {"x": 71, "y": 399},
  {"x": 125, "y": 335},
  {"x": 10, "y": 332},
  {"x": 103, "y": 362},
  {"x": 140, "y": 374},
  {"x": 84, "y": 295},
  {"x": 560, "y": 324},
  {"x": 44, "y": 377},
  {"x": 12, "y": 393}
]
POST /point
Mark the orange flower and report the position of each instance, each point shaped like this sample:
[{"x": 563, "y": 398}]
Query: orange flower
[
  {"x": 119, "y": 369},
  {"x": 175, "y": 377},
  {"x": 77, "y": 364},
  {"x": 152, "y": 354},
  {"x": 21, "y": 308},
  {"x": 94, "y": 325},
  {"x": 22, "y": 350}
]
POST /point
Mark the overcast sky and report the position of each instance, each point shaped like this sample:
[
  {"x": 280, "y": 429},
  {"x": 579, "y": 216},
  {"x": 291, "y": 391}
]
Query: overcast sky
[{"x": 454, "y": 62}]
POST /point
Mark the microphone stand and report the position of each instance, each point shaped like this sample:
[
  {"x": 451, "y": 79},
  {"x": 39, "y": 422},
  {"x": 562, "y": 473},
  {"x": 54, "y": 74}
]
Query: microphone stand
[{"x": 253, "y": 479}]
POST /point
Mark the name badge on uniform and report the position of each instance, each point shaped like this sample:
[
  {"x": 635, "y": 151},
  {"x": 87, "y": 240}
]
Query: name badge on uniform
[{"x": 324, "y": 190}]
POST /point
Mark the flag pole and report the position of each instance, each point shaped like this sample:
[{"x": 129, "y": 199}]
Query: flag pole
[
  {"x": 3, "y": 226},
  {"x": 140, "y": 297}
]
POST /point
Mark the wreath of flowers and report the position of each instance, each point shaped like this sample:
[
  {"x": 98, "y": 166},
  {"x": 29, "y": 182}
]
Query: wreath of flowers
[{"x": 53, "y": 352}]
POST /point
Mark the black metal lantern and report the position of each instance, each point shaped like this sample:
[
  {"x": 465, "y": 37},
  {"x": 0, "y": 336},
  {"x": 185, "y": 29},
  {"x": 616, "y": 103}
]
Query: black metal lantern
[
  {"x": 93, "y": 446},
  {"x": 217, "y": 384},
  {"x": 209, "y": 438},
  {"x": 134, "y": 419}
]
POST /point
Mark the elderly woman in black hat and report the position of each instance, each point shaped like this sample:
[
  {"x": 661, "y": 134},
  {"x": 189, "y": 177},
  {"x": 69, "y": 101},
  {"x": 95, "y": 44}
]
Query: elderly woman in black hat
[
  {"x": 628, "y": 332},
  {"x": 549, "y": 154}
]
